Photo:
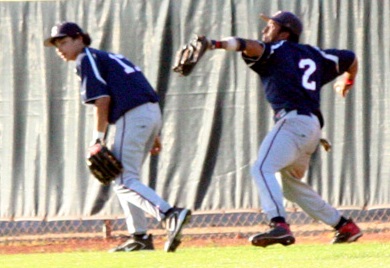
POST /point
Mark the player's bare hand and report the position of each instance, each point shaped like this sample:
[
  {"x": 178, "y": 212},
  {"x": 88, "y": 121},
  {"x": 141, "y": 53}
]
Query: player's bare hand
[
  {"x": 156, "y": 149},
  {"x": 342, "y": 88}
]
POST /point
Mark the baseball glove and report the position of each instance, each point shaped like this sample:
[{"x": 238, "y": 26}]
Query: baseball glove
[
  {"x": 103, "y": 164},
  {"x": 188, "y": 56}
]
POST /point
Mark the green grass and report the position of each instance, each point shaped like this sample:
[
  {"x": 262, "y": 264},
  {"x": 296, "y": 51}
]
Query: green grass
[{"x": 300, "y": 256}]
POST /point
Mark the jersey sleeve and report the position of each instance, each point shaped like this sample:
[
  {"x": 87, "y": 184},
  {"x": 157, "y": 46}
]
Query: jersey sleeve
[
  {"x": 346, "y": 58},
  {"x": 93, "y": 85},
  {"x": 336, "y": 62}
]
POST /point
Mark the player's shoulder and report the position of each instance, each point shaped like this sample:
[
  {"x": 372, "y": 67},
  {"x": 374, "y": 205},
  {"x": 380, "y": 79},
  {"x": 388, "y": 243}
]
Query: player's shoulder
[
  {"x": 90, "y": 55},
  {"x": 284, "y": 45},
  {"x": 304, "y": 47},
  {"x": 285, "y": 48},
  {"x": 96, "y": 52},
  {"x": 309, "y": 50},
  {"x": 331, "y": 53},
  {"x": 273, "y": 46}
]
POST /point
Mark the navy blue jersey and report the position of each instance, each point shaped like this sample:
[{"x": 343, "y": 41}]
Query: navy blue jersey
[
  {"x": 107, "y": 74},
  {"x": 293, "y": 74}
]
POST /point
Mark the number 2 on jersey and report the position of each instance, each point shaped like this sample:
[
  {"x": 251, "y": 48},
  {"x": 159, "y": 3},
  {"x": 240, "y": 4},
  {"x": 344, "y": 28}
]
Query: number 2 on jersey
[{"x": 310, "y": 67}]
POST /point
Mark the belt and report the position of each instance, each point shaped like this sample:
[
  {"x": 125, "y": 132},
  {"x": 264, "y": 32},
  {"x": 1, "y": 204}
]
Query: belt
[{"x": 281, "y": 113}]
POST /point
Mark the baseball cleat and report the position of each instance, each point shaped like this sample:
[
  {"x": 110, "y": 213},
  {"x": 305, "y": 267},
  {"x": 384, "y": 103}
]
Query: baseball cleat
[
  {"x": 279, "y": 234},
  {"x": 174, "y": 223},
  {"x": 347, "y": 233},
  {"x": 135, "y": 243}
]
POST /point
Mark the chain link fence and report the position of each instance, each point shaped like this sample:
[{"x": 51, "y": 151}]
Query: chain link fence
[{"x": 213, "y": 224}]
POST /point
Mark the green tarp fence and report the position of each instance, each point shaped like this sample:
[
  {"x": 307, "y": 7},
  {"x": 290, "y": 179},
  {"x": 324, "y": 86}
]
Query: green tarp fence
[{"x": 214, "y": 119}]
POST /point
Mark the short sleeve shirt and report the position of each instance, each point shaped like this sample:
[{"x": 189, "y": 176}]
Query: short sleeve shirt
[
  {"x": 292, "y": 74},
  {"x": 108, "y": 74}
]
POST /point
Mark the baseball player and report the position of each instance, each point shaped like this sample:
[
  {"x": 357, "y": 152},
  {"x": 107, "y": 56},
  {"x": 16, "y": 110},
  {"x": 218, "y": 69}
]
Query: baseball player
[
  {"x": 292, "y": 75},
  {"x": 121, "y": 95}
]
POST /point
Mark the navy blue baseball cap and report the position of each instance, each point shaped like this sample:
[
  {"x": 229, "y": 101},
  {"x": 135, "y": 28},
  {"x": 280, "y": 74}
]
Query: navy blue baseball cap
[
  {"x": 63, "y": 29},
  {"x": 286, "y": 19}
]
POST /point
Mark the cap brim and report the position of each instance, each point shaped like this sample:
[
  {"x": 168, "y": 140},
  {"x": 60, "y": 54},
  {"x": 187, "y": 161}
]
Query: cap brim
[
  {"x": 49, "y": 42},
  {"x": 264, "y": 17}
]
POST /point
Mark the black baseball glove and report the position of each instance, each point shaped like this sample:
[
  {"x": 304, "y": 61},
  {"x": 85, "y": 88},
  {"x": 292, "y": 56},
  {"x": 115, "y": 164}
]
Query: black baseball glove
[
  {"x": 188, "y": 56},
  {"x": 103, "y": 164}
]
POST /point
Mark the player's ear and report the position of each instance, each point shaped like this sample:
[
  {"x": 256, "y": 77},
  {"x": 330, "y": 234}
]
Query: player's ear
[
  {"x": 284, "y": 35},
  {"x": 79, "y": 41},
  {"x": 79, "y": 38}
]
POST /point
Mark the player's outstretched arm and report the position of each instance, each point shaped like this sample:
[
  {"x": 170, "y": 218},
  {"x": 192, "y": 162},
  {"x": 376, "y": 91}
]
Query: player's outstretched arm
[
  {"x": 344, "y": 86},
  {"x": 189, "y": 55},
  {"x": 251, "y": 48}
]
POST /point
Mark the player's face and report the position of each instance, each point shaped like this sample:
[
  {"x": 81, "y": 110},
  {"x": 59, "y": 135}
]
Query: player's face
[
  {"x": 68, "y": 48},
  {"x": 272, "y": 32}
]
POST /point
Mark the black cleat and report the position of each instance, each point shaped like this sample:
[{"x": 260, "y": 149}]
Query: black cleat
[
  {"x": 174, "y": 223},
  {"x": 135, "y": 243},
  {"x": 279, "y": 234}
]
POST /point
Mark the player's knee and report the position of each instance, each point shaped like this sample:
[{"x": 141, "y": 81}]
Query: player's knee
[
  {"x": 255, "y": 169},
  {"x": 261, "y": 169}
]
